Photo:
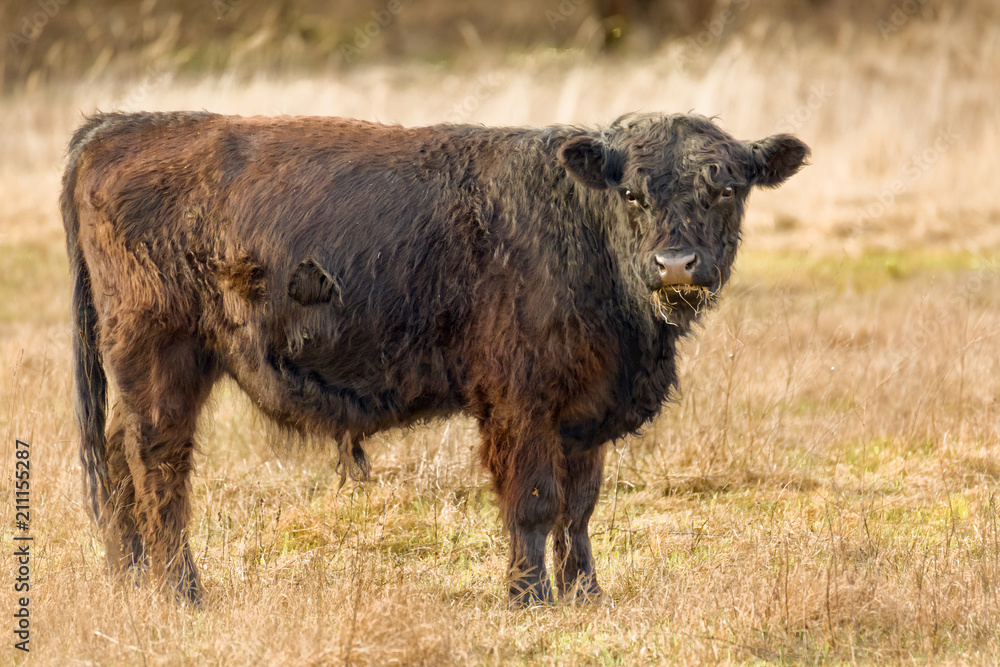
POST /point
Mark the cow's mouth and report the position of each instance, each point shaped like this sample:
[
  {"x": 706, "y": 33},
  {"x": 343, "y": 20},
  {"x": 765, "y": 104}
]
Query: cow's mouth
[{"x": 671, "y": 300}]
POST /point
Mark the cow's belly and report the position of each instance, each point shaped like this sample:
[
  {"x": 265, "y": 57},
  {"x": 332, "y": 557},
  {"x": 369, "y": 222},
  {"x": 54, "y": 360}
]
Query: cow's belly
[{"x": 327, "y": 379}]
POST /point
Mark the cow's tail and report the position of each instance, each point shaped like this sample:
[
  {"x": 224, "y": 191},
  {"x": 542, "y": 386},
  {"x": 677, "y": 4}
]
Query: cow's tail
[{"x": 90, "y": 380}]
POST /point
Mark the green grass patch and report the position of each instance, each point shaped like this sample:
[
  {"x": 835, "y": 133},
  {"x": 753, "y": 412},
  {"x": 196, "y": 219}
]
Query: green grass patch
[{"x": 869, "y": 271}]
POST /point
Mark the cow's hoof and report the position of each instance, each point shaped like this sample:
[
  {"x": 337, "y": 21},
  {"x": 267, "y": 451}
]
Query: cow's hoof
[
  {"x": 189, "y": 592},
  {"x": 194, "y": 599},
  {"x": 532, "y": 597},
  {"x": 587, "y": 595}
]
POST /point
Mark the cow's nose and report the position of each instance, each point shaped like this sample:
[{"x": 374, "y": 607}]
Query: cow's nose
[{"x": 677, "y": 267}]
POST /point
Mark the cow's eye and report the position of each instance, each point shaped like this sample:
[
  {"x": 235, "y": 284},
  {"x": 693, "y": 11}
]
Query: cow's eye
[
  {"x": 630, "y": 197},
  {"x": 728, "y": 192}
]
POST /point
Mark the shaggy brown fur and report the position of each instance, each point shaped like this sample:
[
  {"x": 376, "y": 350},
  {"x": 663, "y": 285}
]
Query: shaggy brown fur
[{"x": 353, "y": 277}]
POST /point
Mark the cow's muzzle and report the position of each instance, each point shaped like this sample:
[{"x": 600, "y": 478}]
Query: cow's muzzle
[{"x": 679, "y": 268}]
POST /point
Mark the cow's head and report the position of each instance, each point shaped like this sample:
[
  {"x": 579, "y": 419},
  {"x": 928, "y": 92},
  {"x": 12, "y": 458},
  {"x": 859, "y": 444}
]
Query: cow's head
[{"x": 681, "y": 184}]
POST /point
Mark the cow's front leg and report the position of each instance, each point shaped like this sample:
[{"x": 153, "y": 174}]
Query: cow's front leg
[
  {"x": 523, "y": 456},
  {"x": 576, "y": 577}
]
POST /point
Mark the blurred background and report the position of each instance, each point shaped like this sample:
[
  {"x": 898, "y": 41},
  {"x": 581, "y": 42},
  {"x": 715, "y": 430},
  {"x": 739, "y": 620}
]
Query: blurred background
[
  {"x": 898, "y": 98},
  {"x": 56, "y": 40}
]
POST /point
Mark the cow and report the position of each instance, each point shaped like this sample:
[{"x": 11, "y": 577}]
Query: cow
[{"x": 352, "y": 276}]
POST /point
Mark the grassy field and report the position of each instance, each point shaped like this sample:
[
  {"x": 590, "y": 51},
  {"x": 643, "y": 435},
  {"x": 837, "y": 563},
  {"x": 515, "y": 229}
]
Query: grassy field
[{"x": 825, "y": 491}]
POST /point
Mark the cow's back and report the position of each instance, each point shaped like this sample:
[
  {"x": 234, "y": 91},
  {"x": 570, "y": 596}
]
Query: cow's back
[{"x": 211, "y": 225}]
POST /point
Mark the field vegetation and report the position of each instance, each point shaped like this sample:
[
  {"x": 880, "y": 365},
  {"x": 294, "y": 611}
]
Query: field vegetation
[{"x": 825, "y": 490}]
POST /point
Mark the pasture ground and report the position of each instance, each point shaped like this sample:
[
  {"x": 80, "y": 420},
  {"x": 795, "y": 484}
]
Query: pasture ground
[{"x": 825, "y": 491}]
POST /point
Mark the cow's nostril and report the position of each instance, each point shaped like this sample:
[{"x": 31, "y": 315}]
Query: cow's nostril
[{"x": 675, "y": 268}]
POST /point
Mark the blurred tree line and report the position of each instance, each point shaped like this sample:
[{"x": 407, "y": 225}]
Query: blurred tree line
[{"x": 50, "y": 40}]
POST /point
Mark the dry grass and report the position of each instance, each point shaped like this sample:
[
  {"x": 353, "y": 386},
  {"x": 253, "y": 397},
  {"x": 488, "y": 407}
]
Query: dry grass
[{"x": 825, "y": 491}]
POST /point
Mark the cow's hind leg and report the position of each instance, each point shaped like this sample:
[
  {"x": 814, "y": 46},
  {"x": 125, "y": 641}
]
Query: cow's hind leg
[
  {"x": 116, "y": 517},
  {"x": 574, "y": 561},
  {"x": 522, "y": 455},
  {"x": 163, "y": 384}
]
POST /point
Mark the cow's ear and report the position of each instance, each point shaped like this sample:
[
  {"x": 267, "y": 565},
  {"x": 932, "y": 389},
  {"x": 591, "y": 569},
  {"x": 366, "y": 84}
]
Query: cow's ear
[
  {"x": 775, "y": 159},
  {"x": 592, "y": 162}
]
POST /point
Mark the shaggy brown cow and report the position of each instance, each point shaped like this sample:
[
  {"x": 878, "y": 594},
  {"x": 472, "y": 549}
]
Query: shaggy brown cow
[{"x": 353, "y": 277}]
